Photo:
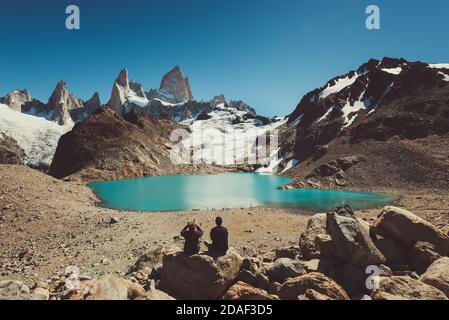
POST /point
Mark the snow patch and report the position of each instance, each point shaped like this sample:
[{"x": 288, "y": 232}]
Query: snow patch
[
  {"x": 439, "y": 65},
  {"x": 445, "y": 76},
  {"x": 275, "y": 161},
  {"x": 292, "y": 163},
  {"x": 338, "y": 86},
  {"x": 37, "y": 136},
  {"x": 395, "y": 71}
]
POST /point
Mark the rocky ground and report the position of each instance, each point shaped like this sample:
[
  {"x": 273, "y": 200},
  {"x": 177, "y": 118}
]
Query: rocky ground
[{"x": 47, "y": 225}]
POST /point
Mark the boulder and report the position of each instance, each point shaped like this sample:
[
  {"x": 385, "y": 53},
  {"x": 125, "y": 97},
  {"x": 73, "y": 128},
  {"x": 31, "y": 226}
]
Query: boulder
[
  {"x": 288, "y": 252},
  {"x": 422, "y": 255},
  {"x": 318, "y": 282},
  {"x": 110, "y": 287},
  {"x": 285, "y": 268},
  {"x": 257, "y": 280},
  {"x": 406, "y": 288},
  {"x": 209, "y": 277},
  {"x": 351, "y": 239},
  {"x": 316, "y": 227},
  {"x": 437, "y": 275},
  {"x": 255, "y": 265},
  {"x": 152, "y": 258},
  {"x": 243, "y": 291},
  {"x": 14, "y": 290},
  {"x": 404, "y": 226},
  {"x": 44, "y": 294}
]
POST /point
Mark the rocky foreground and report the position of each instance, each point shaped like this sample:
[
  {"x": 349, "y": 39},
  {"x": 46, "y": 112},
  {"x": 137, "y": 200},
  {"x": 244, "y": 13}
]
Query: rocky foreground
[{"x": 55, "y": 243}]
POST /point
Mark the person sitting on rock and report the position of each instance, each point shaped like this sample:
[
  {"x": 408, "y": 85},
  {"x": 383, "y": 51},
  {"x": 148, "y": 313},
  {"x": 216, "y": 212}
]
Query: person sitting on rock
[
  {"x": 192, "y": 234},
  {"x": 219, "y": 237}
]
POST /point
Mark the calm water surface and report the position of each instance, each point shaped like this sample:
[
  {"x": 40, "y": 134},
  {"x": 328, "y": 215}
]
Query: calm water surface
[{"x": 236, "y": 190}]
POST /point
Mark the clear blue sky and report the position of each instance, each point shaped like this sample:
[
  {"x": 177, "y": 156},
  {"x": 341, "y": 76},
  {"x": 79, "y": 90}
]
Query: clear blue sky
[{"x": 266, "y": 52}]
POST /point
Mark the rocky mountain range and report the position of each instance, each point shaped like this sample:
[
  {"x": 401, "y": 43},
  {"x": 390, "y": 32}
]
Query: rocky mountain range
[
  {"x": 173, "y": 100},
  {"x": 62, "y": 106},
  {"x": 388, "y": 111},
  {"x": 385, "y": 124}
]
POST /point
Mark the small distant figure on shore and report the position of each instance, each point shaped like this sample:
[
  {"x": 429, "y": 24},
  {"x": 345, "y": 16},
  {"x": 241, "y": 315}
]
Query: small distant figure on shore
[
  {"x": 192, "y": 234},
  {"x": 219, "y": 236}
]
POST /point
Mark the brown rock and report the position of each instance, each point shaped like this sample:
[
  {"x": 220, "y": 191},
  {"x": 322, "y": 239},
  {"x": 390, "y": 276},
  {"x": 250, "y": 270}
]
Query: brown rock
[
  {"x": 284, "y": 268},
  {"x": 404, "y": 226},
  {"x": 41, "y": 292},
  {"x": 394, "y": 253},
  {"x": 437, "y": 275},
  {"x": 422, "y": 255},
  {"x": 210, "y": 277},
  {"x": 318, "y": 282},
  {"x": 316, "y": 227},
  {"x": 243, "y": 291},
  {"x": 400, "y": 288},
  {"x": 311, "y": 294}
]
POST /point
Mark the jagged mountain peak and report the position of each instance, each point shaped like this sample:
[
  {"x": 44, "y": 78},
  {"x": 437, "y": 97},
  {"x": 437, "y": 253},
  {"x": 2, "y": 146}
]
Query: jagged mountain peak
[
  {"x": 122, "y": 79},
  {"x": 16, "y": 99},
  {"x": 176, "y": 85}
]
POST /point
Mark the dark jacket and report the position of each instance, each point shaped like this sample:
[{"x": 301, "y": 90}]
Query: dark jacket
[
  {"x": 192, "y": 240},
  {"x": 219, "y": 237}
]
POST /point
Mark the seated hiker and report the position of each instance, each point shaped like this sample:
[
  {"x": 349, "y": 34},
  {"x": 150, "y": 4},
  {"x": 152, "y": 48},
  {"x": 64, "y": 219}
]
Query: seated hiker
[
  {"x": 219, "y": 237},
  {"x": 192, "y": 234}
]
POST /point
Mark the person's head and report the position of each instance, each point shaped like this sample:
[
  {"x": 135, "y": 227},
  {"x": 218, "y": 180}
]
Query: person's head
[
  {"x": 218, "y": 221},
  {"x": 191, "y": 226}
]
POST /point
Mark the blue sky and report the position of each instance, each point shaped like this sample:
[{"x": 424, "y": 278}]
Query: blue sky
[{"x": 268, "y": 53}]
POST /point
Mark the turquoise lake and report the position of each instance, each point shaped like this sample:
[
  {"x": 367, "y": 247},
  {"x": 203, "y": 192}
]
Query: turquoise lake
[{"x": 177, "y": 193}]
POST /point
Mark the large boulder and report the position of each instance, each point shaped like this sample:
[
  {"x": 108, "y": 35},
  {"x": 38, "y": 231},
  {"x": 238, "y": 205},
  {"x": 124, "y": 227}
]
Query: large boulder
[
  {"x": 110, "y": 287},
  {"x": 406, "y": 288},
  {"x": 296, "y": 287},
  {"x": 243, "y": 291},
  {"x": 437, "y": 275},
  {"x": 351, "y": 238},
  {"x": 404, "y": 226},
  {"x": 316, "y": 227},
  {"x": 285, "y": 268},
  {"x": 199, "y": 277}
]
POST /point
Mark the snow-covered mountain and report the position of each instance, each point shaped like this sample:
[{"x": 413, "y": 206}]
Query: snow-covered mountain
[
  {"x": 173, "y": 100},
  {"x": 387, "y": 111},
  {"x": 37, "y": 136},
  {"x": 62, "y": 107},
  {"x": 230, "y": 135},
  {"x": 37, "y": 127}
]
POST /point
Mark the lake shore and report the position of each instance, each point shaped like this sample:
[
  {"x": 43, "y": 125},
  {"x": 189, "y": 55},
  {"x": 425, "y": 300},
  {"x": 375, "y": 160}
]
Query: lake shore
[{"x": 48, "y": 224}]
